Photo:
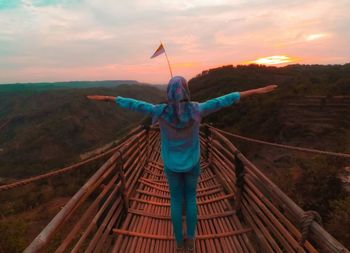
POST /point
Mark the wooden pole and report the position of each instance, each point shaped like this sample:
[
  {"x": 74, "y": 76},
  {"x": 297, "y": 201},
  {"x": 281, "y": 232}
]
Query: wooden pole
[{"x": 166, "y": 56}]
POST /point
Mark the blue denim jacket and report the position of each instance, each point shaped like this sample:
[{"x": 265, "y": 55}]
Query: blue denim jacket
[{"x": 180, "y": 147}]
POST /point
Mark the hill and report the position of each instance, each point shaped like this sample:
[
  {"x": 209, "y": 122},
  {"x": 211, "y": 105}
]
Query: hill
[
  {"x": 42, "y": 129},
  {"x": 305, "y": 93},
  {"x": 311, "y": 108}
]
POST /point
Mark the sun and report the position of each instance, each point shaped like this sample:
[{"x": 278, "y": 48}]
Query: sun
[{"x": 273, "y": 60}]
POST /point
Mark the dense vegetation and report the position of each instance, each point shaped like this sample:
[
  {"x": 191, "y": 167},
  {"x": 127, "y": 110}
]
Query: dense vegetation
[
  {"x": 51, "y": 128},
  {"x": 313, "y": 181},
  {"x": 47, "y": 129}
]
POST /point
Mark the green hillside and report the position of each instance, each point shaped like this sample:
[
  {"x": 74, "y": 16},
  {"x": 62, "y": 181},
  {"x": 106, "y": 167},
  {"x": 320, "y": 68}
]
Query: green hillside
[
  {"x": 51, "y": 128},
  {"x": 310, "y": 108},
  {"x": 265, "y": 115}
]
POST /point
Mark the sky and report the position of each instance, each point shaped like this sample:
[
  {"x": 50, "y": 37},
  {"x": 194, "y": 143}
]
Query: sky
[{"x": 65, "y": 40}]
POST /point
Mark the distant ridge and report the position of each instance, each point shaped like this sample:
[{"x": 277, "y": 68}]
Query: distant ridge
[{"x": 63, "y": 85}]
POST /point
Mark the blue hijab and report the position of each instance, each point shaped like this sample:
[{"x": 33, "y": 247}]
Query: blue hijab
[{"x": 179, "y": 112}]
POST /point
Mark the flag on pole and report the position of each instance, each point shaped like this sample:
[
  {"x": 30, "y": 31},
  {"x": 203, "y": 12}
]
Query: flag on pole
[{"x": 159, "y": 51}]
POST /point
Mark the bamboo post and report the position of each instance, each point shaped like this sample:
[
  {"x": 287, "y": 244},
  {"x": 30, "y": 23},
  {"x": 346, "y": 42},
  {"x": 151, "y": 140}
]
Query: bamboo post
[
  {"x": 207, "y": 133},
  {"x": 239, "y": 171},
  {"x": 120, "y": 166},
  {"x": 148, "y": 154}
]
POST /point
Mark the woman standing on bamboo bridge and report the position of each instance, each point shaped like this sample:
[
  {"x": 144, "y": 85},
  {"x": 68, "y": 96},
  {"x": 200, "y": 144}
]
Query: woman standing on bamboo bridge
[{"x": 179, "y": 121}]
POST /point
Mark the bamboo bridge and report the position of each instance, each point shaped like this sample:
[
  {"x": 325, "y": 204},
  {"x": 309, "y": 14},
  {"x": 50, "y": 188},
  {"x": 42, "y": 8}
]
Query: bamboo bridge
[{"x": 125, "y": 205}]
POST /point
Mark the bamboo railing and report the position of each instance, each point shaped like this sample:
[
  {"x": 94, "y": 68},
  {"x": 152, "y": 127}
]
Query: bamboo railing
[
  {"x": 104, "y": 198},
  {"x": 274, "y": 217},
  {"x": 265, "y": 219}
]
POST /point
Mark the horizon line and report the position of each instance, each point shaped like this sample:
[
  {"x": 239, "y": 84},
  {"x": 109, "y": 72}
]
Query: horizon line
[{"x": 147, "y": 83}]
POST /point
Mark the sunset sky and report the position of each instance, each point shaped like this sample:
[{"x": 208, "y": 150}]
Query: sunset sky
[{"x": 64, "y": 40}]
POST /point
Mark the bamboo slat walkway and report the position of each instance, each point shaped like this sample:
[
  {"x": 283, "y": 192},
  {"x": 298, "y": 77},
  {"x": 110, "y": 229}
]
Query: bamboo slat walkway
[
  {"x": 125, "y": 205},
  {"x": 148, "y": 227}
]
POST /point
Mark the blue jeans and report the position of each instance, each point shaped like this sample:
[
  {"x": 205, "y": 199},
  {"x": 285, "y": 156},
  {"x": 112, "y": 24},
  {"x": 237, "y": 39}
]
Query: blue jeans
[{"x": 183, "y": 185}]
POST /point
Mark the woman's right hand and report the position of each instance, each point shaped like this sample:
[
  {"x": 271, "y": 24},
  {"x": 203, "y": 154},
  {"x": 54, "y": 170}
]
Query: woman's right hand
[
  {"x": 101, "y": 98},
  {"x": 267, "y": 89}
]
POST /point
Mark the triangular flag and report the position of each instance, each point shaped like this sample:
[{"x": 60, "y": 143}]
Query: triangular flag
[{"x": 159, "y": 51}]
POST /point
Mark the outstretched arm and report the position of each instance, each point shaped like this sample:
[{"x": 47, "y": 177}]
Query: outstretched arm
[
  {"x": 128, "y": 103},
  {"x": 262, "y": 90},
  {"x": 218, "y": 103}
]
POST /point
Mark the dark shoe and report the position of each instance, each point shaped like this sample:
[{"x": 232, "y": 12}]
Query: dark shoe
[
  {"x": 190, "y": 245},
  {"x": 180, "y": 247}
]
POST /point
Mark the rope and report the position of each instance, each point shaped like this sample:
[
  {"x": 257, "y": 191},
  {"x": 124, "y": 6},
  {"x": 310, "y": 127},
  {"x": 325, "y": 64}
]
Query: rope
[
  {"x": 310, "y": 150},
  {"x": 4, "y": 124},
  {"x": 306, "y": 221},
  {"x": 52, "y": 173},
  {"x": 77, "y": 165},
  {"x": 63, "y": 170}
]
